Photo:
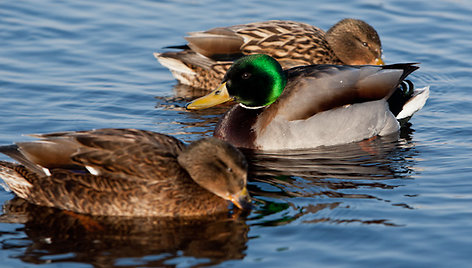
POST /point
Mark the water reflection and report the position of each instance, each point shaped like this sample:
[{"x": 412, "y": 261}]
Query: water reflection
[
  {"x": 188, "y": 93},
  {"x": 62, "y": 236},
  {"x": 375, "y": 159},
  {"x": 292, "y": 184}
]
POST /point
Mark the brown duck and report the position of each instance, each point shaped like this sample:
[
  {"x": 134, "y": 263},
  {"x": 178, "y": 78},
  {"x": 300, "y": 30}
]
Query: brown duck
[
  {"x": 127, "y": 172},
  {"x": 208, "y": 55}
]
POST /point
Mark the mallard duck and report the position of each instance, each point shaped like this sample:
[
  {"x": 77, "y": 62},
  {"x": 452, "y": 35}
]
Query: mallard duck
[
  {"x": 208, "y": 55},
  {"x": 306, "y": 106},
  {"x": 127, "y": 172}
]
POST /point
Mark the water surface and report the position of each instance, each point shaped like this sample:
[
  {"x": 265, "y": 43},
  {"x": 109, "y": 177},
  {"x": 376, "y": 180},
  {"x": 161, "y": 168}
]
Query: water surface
[{"x": 395, "y": 201}]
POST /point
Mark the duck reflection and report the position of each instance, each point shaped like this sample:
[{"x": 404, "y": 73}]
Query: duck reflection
[
  {"x": 101, "y": 241},
  {"x": 376, "y": 159},
  {"x": 188, "y": 93},
  {"x": 323, "y": 179}
]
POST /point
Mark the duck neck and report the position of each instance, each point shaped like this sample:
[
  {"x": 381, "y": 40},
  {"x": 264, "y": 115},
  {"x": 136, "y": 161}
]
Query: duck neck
[{"x": 236, "y": 126}]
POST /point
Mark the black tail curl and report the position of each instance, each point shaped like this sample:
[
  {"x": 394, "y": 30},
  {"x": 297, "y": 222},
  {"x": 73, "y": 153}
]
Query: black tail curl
[{"x": 402, "y": 94}]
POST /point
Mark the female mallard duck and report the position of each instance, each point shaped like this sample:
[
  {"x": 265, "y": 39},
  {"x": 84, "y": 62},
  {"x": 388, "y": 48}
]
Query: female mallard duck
[
  {"x": 127, "y": 172},
  {"x": 209, "y": 54},
  {"x": 306, "y": 106}
]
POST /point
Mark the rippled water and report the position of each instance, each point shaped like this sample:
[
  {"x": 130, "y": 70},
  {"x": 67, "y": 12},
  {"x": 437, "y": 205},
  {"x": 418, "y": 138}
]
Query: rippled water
[{"x": 395, "y": 201}]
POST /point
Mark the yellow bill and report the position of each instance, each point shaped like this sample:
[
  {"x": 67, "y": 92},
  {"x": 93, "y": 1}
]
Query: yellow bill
[
  {"x": 379, "y": 61},
  {"x": 216, "y": 97},
  {"x": 241, "y": 200}
]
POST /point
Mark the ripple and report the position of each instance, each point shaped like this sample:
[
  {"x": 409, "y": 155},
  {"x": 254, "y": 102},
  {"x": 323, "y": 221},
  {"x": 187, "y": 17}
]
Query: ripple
[{"x": 402, "y": 200}]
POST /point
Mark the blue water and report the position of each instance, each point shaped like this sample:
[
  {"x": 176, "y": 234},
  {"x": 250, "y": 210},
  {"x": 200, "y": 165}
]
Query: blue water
[{"x": 397, "y": 201}]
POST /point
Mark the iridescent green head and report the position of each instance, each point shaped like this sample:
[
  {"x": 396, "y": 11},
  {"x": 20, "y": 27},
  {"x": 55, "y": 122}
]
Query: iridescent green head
[{"x": 254, "y": 81}]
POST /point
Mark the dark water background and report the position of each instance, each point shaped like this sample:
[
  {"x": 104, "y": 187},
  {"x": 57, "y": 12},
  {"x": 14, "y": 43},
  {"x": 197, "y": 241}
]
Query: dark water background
[{"x": 394, "y": 202}]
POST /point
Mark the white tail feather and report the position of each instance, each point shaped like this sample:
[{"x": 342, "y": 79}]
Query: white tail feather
[
  {"x": 415, "y": 103},
  {"x": 174, "y": 64},
  {"x": 179, "y": 70}
]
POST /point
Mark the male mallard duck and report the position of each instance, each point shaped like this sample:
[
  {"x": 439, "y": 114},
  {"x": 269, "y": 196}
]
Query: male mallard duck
[
  {"x": 127, "y": 172},
  {"x": 306, "y": 106},
  {"x": 208, "y": 55}
]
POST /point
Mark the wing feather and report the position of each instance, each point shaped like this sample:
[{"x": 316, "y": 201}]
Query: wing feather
[{"x": 317, "y": 88}]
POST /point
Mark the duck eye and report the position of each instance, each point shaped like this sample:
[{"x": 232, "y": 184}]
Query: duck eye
[
  {"x": 230, "y": 170},
  {"x": 365, "y": 44},
  {"x": 246, "y": 75}
]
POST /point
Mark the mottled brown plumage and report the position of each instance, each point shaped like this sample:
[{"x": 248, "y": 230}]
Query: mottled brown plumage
[
  {"x": 127, "y": 172},
  {"x": 208, "y": 55}
]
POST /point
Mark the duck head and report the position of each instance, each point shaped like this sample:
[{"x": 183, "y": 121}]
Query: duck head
[
  {"x": 218, "y": 167},
  {"x": 254, "y": 81},
  {"x": 355, "y": 42}
]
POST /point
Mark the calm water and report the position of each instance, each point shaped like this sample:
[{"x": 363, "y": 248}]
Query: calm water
[{"x": 396, "y": 201}]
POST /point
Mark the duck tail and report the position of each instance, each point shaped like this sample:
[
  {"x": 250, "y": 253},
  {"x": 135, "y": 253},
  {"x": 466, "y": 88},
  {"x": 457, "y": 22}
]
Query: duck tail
[
  {"x": 181, "y": 71},
  {"x": 408, "y": 68},
  {"x": 15, "y": 178},
  {"x": 14, "y": 152},
  {"x": 407, "y": 100}
]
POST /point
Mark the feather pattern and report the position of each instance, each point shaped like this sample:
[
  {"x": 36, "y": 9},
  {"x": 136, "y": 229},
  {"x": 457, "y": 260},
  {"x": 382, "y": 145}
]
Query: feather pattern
[
  {"x": 291, "y": 43},
  {"x": 125, "y": 172}
]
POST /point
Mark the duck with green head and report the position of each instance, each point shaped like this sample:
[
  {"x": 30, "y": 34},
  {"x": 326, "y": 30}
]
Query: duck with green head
[{"x": 307, "y": 106}]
